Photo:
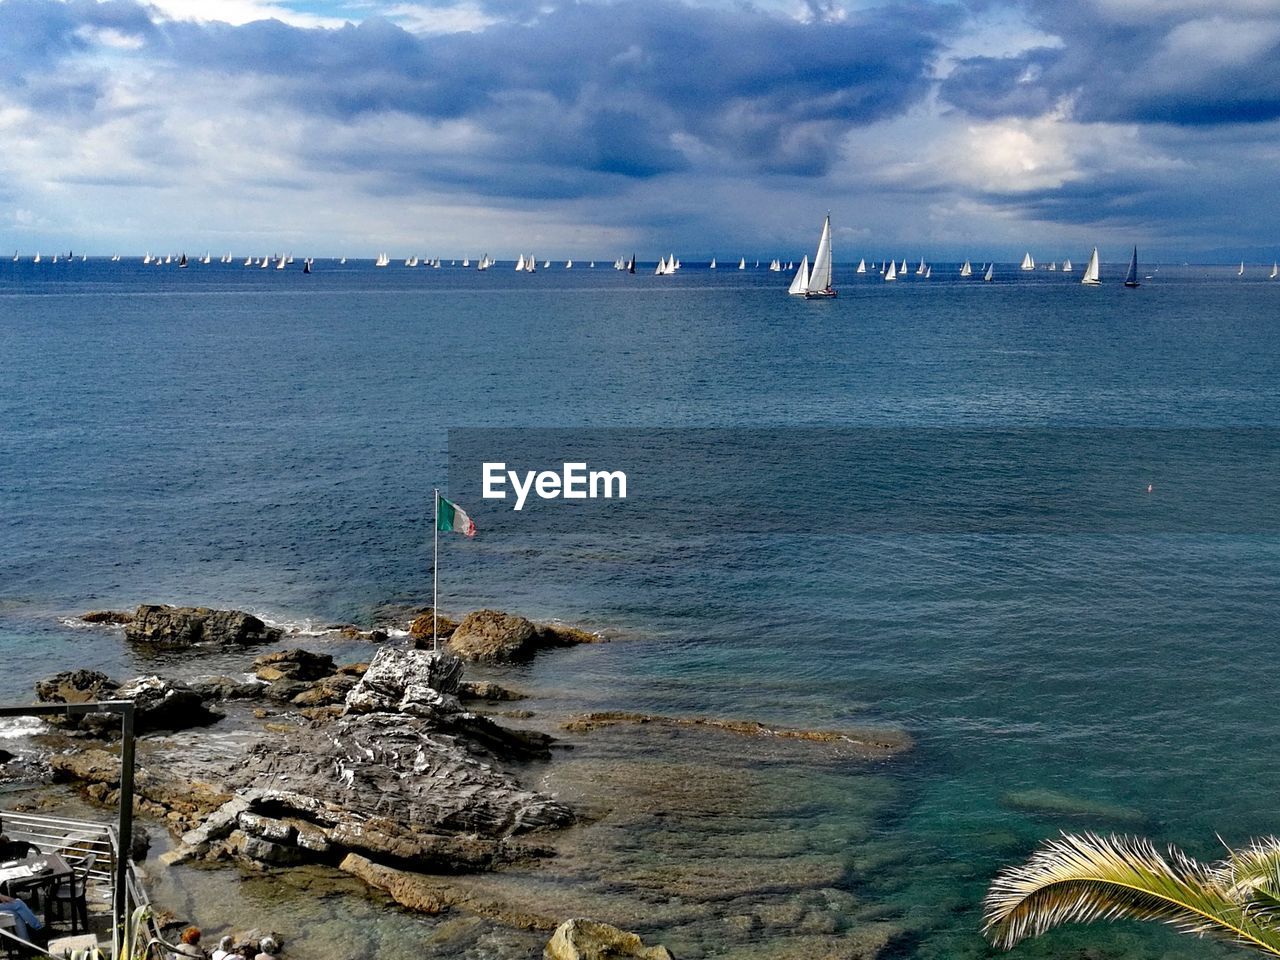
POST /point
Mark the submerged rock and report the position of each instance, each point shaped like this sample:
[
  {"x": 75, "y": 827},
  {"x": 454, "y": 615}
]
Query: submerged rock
[
  {"x": 582, "y": 939},
  {"x": 165, "y": 626},
  {"x": 867, "y": 741},
  {"x": 1051, "y": 803}
]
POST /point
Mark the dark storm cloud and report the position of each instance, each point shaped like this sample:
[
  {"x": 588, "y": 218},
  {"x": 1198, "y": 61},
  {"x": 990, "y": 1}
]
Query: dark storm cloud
[
  {"x": 1204, "y": 66},
  {"x": 603, "y": 88}
]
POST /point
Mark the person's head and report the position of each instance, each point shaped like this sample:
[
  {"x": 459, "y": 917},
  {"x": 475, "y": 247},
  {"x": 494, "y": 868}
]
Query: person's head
[
  {"x": 268, "y": 946},
  {"x": 191, "y": 935},
  {"x": 225, "y": 944}
]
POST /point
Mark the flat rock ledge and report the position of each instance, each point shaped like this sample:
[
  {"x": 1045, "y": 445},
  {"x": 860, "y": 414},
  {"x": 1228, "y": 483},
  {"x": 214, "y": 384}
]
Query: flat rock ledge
[{"x": 867, "y": 742}]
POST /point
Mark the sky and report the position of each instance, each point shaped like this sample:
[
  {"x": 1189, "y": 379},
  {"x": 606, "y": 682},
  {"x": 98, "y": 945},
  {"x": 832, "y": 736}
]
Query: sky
[{"x": 595, "y": 128}]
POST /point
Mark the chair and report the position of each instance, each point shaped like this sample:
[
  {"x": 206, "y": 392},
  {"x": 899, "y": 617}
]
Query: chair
[{"x": 73, "y": 895}]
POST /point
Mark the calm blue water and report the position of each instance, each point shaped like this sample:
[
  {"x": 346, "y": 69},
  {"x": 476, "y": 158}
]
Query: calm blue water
[{"x": 270, "y": 441}]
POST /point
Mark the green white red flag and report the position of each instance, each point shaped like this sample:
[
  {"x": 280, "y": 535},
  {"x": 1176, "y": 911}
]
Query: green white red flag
[{"x": 452, "y": 518}]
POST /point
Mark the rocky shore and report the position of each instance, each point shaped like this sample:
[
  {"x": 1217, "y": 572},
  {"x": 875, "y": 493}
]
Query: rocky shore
[{"x": 385, "y": 769}]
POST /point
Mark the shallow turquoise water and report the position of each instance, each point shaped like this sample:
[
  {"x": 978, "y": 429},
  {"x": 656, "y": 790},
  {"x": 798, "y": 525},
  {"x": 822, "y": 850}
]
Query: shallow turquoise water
[{"x": 270, "y": 442}]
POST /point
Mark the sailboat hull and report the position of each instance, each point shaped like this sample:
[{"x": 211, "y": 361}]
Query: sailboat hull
[{"x": 827, "y": 294}]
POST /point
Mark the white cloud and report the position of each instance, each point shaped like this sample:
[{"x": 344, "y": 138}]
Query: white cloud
[
  {"x": 427, "y": 19},
  {"x": 240, "y": 11}
]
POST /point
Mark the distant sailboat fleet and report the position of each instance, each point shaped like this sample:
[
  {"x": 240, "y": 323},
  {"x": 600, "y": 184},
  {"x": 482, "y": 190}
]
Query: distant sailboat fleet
[{"x": 812, "y": 279}]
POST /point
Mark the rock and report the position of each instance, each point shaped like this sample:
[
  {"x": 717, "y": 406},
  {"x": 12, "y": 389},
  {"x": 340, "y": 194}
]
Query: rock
[
  {"x": 486, "y": 690},
  {"x": 285, "y": 690},
  {"x": 410, "y": 681},
  {"x": 140, "y": 843},
  {"x": 295, "y": 664},
  {"x": 559, "y": 635},
  {"x": 582, "y": 939},
  {"x": 353, "y": 669},
  {"x": 411, "y": 890},
  {"x": 107, "y": 616},
  {"x": 161, "y": 704},
  {"x": 420, "y": 628},
  {"x": 1055, "y": 805},
  {"x": 165, "y": 626},
  {"x": 330, "y": 690},
  {"x": 435, "y": 895},
  {"x": 491, "y": 636},
  {"x": 5, "y": 756},
  {"x": 869, "y": 742},
  {"x": 391, "y": 785},
  {"x": 158, "y": 704},
  {"x": 228, "y": 688},
  {"x": 76, "y": 686}
]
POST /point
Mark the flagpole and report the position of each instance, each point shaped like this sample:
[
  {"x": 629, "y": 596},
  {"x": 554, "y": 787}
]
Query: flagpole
[{"x": 435, "y": 575}]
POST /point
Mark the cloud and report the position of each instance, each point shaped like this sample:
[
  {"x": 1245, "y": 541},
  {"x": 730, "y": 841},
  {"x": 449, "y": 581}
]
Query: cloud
[{"x": 1186, "y": 62}]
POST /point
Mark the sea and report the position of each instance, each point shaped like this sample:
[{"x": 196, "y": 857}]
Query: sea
[{"x": 1077, "y": 631}]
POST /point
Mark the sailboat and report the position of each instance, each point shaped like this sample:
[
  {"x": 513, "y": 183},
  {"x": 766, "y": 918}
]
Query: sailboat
[
  {"x": 990, "y": 274},
  {"x": 800, "y": 285},
  {"x": 205, "y": 258},
  {"x": 862, "y": 266},
  {"x": 713, "y": 263},
  {"x": 820, "y": 278},
  {"x": 1027, "y": 262},
  {"x": 631, "y": 267},
  {"x": 1275, "y": 270},
  {"x": 342, "y": 261},
  {"x": 661, "y": 270},
  {"x": 920, "y": 269},
  {"x": 742, "y": 264},
  {"x": 928, "y": 272},
  {"x": 36, "y": 258},
  {"x": 182, "y": 261},
  {"x": 1131, "y": 278},
  {"x": 264, "y": 263},
  {"x": 892, "y": 273},
  {"x": 520, "y": 264},
  {"x": 530, "y": 266},
  {"x": 382, "y": 261},
  {"x": 1053, "y": 266},
  {"x": 967, "y": 269},
  {"x": 306, "y": 266},
  {"x": 568, "y": 264},
  {"x": 1240, "y": 272},
  {"x": 1091, "y": 277},
  {"x": 1066, "y": 265},
  {"x": 248, "y": 261}
]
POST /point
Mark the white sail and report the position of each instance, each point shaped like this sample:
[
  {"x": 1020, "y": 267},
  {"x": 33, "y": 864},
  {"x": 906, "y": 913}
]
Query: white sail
[
  {"x": 967, "y": 269},
  {"x": 801, "y": 282},
  {"x": 520, "y": 263},
  {"x": 742, "y": 264},
  {"x": 713, "y": 263},
  {"x": 1066, "y": 265},
  {"x": 989, "y": 275},
  {"x": 892, "y": 273},
  {"x": 1027, "y": 262},
  {"x": 820, "y": 277},
  {"x": 383, "y": 260},
  {"x": 568, "y": 264},
  {"x": 1275, "y": 270},
  {"x": 862, "y": 266},
  {"x": 928, "y": 272},
  {"x": 1091, "y": 275},
  {"x": 1240, "y": 272},
  {"x": 920, "y": 269}
]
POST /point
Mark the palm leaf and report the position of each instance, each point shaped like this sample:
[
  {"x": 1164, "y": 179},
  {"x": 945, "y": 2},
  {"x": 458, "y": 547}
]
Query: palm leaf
[{"x": 1085, "y": 878}]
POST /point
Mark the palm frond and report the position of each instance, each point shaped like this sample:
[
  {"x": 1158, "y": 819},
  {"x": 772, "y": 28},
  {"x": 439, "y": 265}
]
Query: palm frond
[
  {"x": 1085, "y": 878},
  {"x": 1251, "y": 877}
]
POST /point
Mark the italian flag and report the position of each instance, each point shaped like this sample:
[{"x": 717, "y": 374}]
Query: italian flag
[{"x": 451, "y": 517}]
